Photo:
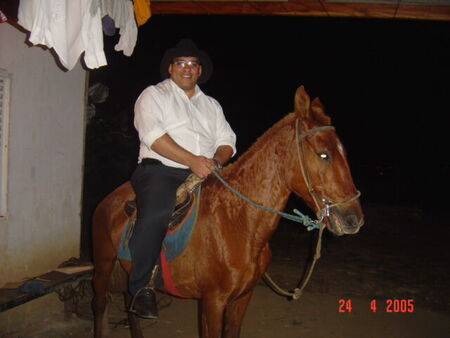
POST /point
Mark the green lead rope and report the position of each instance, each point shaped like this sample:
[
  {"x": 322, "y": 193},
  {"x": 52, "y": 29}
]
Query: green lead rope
[{"x": 298, "y": 217}]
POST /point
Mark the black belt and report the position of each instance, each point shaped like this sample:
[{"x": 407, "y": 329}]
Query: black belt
[
  {"x": 150, "y": 161},
  {"x": 154, "y": 161}
]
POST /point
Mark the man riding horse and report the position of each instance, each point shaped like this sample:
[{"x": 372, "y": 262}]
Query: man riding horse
[{"x": 181, "y": 130}]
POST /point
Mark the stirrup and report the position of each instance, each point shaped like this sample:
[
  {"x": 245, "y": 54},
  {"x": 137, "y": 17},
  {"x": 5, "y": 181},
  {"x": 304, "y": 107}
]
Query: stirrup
[
  {"x": 151, "y": 282},
  {"x": 148, "y": 308}
]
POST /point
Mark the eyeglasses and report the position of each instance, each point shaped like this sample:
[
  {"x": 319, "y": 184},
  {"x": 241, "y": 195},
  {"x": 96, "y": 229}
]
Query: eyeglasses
[{"x": 184, "y": 63}]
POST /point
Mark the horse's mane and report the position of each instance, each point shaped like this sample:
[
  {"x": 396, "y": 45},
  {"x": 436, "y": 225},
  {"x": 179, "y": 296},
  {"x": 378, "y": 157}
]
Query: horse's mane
[{"x": 262, "y": 140}]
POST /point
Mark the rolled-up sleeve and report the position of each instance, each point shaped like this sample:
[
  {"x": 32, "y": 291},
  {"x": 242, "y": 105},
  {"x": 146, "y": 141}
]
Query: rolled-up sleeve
[
  {"x": 224, "y": 134},
  {"x": 148, "y": 116}
]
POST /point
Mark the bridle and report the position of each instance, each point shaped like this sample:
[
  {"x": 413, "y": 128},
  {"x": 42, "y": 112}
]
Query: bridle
[
  {"x": 321, "y": 212},
  {"x": 316, "y": 197}
]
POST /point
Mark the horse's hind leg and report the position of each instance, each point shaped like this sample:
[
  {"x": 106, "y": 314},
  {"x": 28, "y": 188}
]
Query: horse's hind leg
[
  {"x": 133, "y": 320},
  {"x": 234, "y": 315},
  {"x": 102, "y": 275}
]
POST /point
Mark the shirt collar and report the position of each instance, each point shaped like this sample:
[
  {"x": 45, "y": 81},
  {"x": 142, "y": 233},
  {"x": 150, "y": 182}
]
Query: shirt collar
[{"x": 197, "y": 90}]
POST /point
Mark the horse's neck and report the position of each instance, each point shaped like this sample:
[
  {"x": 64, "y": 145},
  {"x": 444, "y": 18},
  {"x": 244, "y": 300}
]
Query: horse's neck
[
  {"x": 259, "y": 178},
  {"x": 259, "y": 174}
]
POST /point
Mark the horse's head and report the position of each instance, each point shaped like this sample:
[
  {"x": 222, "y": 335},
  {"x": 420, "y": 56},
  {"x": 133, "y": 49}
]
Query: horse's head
[{"x": 320, "y": 173}]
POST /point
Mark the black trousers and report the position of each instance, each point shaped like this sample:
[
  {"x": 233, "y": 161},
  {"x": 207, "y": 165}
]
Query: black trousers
[{"x": 155, "y": 185}]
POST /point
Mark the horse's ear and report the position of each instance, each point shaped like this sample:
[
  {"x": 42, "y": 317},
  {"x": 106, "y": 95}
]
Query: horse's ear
[
  {"x": 302, "y": 103},
  {"x": 319, "y": 112}
]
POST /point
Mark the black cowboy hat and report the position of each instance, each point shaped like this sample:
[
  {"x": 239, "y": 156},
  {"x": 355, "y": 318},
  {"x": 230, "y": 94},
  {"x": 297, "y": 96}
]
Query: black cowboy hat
[{"x": 187, "y": 48}]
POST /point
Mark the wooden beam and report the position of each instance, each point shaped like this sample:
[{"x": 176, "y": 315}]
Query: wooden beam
[
  {"x": 423, "y": 12},
  {"x": 360, "y": 10},
  {"x": 303, "y": 8}
]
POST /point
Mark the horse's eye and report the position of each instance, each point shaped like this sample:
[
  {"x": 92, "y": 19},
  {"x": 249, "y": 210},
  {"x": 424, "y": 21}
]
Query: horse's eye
[{"x": 324, "y": 156}]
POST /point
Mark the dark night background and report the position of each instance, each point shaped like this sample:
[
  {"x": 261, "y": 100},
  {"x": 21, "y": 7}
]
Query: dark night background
[{"x": 384, "y": 83}]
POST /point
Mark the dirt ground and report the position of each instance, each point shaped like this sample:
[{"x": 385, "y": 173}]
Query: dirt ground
[{"x": 398, "y": 256}]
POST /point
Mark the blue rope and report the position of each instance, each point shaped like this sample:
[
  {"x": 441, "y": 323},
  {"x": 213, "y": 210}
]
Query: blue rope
[{"x": 299, "y": 217}]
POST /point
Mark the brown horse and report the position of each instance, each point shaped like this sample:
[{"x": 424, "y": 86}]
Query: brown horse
[{"x": 228, "y": 251}]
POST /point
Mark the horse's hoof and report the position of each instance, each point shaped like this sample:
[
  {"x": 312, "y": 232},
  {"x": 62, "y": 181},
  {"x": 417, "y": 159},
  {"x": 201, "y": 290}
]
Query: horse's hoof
[{"x": 144, "y": 304}]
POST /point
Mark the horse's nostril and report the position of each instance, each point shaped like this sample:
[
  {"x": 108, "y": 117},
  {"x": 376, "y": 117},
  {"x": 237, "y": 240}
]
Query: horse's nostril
[
  {"x": 352, "y": 220},
  {"x": 344, "y": 222},
  {"x": 353, "y": 223}
]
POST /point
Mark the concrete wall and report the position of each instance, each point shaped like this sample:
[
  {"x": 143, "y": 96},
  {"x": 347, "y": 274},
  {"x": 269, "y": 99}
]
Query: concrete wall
[{"x": 46, "y": 147}]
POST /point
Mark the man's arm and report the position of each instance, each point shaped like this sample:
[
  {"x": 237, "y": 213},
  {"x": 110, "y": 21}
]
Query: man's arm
[
  {"x": 167, "y": 147},
  {"x": 223, "y": 154}
]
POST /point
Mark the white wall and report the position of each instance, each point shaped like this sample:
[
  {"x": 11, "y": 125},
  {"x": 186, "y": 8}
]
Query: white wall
[{"x": 46, "y": 147}]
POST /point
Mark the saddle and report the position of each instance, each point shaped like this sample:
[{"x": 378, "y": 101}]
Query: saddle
[{"x": 184, "y": 200}]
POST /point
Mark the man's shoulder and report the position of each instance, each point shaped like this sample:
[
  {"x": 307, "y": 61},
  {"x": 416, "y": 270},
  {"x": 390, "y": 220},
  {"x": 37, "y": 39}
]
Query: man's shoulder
[
  {"x": 164, "y": 86},
  {"x": 160, "y": 89}
]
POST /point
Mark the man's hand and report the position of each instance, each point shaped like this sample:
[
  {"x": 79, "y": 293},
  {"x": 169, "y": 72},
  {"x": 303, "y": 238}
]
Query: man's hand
[{"x": 201, "y": 166}]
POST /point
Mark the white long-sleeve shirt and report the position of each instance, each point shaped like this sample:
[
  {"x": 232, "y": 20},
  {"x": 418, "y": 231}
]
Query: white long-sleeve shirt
[{"x": 196, "y": 124}]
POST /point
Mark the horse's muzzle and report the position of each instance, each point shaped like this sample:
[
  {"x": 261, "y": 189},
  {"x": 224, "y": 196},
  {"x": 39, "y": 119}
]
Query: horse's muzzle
[{"x": 345, "y": 221}]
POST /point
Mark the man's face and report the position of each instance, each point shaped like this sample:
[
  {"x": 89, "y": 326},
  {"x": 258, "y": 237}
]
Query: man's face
[{"x": 185, "y": 71}]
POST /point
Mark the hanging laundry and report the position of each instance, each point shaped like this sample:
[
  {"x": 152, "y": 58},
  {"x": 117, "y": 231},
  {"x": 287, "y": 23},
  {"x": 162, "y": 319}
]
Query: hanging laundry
[
  {"x": 109, "y": 27},
  {"x": 121, "y": 11},
  {"x": 142, "y": 11},
  {"x": 67, "y": 26}
]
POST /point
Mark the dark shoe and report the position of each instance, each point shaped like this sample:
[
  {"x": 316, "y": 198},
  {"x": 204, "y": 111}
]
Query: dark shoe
[{"x": 144, "y": 304}]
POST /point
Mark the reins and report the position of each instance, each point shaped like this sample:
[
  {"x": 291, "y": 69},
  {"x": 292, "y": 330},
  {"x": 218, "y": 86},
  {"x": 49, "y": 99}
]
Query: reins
[{"x": 299, "y": 217}]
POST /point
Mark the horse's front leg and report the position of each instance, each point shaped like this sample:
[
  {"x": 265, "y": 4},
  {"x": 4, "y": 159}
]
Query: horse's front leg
[
  {"x": 211, "y": 317},
  {"x": 234, "y": 315}
]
